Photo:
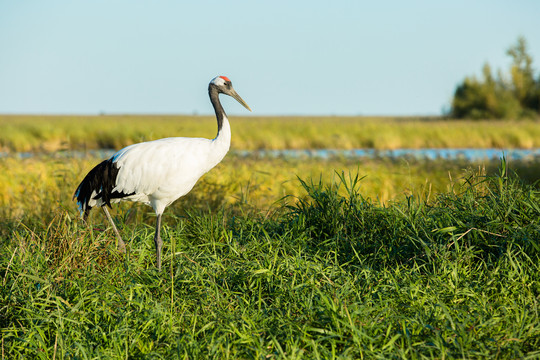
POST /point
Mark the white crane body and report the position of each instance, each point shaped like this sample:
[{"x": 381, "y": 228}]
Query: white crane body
[{"x": 158, "y": 172}]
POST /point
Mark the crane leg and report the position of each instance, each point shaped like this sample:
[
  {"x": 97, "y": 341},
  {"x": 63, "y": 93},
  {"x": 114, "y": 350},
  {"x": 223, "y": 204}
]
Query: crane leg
[
  {"x": 121, "y": 244},
  {"x": 158, "y": 242}
]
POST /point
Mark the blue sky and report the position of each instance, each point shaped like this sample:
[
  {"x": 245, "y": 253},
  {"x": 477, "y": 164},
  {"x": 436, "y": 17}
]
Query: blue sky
[{"x": 283, "y": 57}]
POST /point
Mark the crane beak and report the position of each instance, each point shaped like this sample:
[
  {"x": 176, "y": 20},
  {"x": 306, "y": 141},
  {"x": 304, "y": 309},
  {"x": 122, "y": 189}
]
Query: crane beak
[{"x": 239, "y": 99}]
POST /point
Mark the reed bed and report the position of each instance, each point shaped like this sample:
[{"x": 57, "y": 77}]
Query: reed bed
[
  {"x": 53, "y": 133},
  {"x": 330, "y": 274},
  {"x": 31, "y": 186},
  {"x": 274, "y": 258}
]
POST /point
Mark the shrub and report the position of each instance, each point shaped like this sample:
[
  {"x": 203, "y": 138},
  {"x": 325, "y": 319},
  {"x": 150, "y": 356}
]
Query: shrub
[{"x": 513, "y": 96}]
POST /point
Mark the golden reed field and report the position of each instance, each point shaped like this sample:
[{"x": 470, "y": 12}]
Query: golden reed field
[
  {"x": 52, "y": 133},
  {"x": 274, "y": 257}
]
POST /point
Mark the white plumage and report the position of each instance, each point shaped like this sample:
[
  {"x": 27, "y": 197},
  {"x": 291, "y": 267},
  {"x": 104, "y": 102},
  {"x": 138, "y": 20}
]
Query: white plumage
[
  {"x": 161, "y": 171},
  {"x": 158, "y": 172}
]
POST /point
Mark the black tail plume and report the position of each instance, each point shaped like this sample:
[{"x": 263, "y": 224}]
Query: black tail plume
[{"x": 101, "y": 180}]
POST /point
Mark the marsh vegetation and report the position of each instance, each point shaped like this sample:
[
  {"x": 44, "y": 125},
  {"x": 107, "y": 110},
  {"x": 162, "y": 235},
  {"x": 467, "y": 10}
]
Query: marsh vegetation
[
  {"x": 46, "y": 134},
  {"x": 275, "y": 258}
]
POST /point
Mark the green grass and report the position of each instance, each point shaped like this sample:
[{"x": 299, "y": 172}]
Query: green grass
[
  {"x": 53, "y": 133},
  {"x": 333, "y": 274},
  {"x": 30, "y": 187}
]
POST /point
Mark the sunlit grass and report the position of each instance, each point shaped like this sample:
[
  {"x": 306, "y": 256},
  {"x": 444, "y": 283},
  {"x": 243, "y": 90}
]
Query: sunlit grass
[
  {"x": 52, "y": 133},
  {"x": 275, "y": 258},
  {"x": 32, "y": 186},
  {"x": 331, "y": 274}
]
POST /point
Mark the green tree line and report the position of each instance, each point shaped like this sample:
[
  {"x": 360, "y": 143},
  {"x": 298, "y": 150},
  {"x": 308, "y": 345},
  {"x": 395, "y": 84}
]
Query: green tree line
[{"x": 504, "y": 96}]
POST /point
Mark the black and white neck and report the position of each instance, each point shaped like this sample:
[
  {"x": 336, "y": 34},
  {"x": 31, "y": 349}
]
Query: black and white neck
[
  {"x": 221, "y": 116},
  {"x": 222, "y": 85},
  {"x": 222, "y": 142}
]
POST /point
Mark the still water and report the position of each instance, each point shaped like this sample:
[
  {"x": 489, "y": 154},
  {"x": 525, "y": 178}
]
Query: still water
[{"x": 420, "y": 154}]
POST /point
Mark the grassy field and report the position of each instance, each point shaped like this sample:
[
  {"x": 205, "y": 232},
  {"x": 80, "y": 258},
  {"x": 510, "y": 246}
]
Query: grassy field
[
  {"x": 446, "y": 267},
  {"x": 31, "y": 186},
  {"x": 273, "y": 258},
  {"x": 52, "y": 133},
  {"x": 332, "y": 276}
]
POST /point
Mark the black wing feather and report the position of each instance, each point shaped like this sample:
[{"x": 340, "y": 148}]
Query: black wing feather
[{"x": 102, "y": 180}]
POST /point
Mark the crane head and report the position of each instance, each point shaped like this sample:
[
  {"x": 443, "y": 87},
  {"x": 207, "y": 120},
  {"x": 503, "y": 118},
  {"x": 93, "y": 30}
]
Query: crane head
[{"x": 224, "y": 86}]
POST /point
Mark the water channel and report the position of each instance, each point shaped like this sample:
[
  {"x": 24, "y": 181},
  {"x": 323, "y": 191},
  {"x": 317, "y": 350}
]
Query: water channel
[{"x": 466, "y": 154}]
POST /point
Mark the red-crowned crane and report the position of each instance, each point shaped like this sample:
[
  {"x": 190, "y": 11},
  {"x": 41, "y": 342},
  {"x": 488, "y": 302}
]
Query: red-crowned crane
[{"x": 158, "y": 172}]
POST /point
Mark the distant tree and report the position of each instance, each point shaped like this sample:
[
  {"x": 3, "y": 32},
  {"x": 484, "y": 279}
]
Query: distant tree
[
  {"x": 484, "y": 99},
  {"x": 523, "y": 85},
  {"x": 501, "y": 97}
]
